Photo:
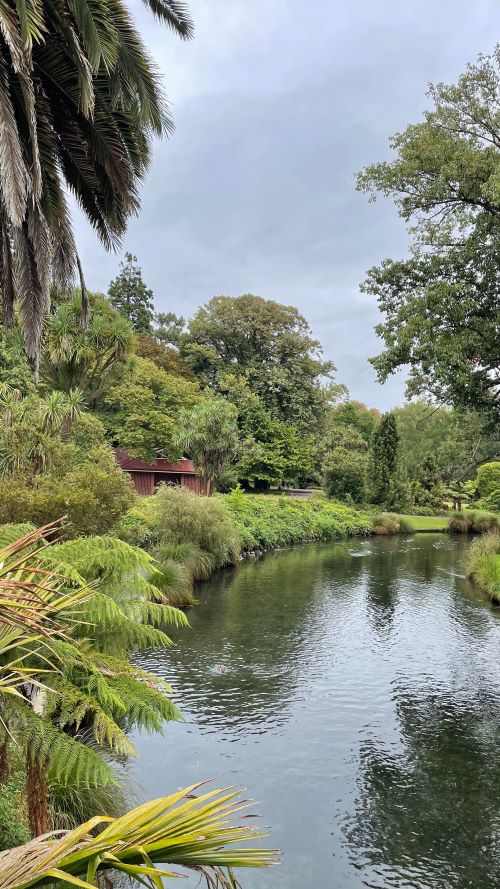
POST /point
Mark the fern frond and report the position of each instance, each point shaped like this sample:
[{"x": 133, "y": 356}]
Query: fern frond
[
  {"x": 72, "y": 708},
  {"x": 147, "y": 708},
  {"x": 69, "y": 761},
  {"x": 106, "y": 559},
  {"x": 11, "y": 532},
  {"x": 157, "y": 615}
]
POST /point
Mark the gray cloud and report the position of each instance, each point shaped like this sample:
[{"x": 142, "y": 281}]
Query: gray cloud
[{"x": 277, "y": 104}]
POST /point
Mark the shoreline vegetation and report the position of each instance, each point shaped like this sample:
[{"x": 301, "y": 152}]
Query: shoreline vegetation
[
  {"x": 191, "y": 537},
  {"x": 484, "y": 565}
]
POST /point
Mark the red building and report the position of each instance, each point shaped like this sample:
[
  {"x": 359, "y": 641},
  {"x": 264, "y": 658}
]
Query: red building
[{"x": 146, "y": 476}]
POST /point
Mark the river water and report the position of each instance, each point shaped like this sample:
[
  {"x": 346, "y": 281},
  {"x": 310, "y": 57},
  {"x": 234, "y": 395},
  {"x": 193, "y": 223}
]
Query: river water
[{"x": 354, "y": 688}]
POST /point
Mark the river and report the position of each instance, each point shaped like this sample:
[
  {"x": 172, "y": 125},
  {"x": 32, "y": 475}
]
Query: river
[{"x": 354, "y": 688}]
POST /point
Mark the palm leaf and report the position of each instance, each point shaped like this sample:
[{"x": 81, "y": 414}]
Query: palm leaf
[{"x": 183, "y": 829}]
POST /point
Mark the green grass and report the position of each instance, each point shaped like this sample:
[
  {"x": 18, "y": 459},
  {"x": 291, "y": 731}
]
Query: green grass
[
  {"x": 472, "y": 521},
  {"x": 426, "y": 522},
  {"x": 484, "y": 565}
]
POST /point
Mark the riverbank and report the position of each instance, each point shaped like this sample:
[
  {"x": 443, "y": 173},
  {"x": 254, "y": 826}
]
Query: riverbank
[
  {"x": 267, "y": 522},
  {"x": 192, "y": 537},
  {"x": 484, "y": 565},
  {"x": 465, "y": 522}
]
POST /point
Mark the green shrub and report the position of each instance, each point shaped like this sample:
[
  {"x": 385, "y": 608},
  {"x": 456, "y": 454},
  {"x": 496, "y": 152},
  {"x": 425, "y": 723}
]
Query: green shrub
[
  {"x": 14, "y": 826},
  {"x": 385, "y": 523},
  {"x": 92, "y": 496},
  {"x": 345, "y": 474},
  {"x": 492, "y": 501},
  {"x": 267, "y": 522},
  {"x": 473, "y": 523},
  {"x": 136, "y": 528},
  {"x": 488, "y": 478},
  {"x": 484, "y": 564},
  {"x": 180, "y": 516}
]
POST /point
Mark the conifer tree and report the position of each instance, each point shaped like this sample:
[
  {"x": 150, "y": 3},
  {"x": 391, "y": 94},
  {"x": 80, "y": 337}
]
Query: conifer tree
[
  {"x": 129, "y": 294},
  {"x": 383, "y": 458}
]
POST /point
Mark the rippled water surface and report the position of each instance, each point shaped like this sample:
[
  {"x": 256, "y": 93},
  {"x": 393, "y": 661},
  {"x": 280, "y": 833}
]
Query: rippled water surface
[{"x": 355, "y": 690}]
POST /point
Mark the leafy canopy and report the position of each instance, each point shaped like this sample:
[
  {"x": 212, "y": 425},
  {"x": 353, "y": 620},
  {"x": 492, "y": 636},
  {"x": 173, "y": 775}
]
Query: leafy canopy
[
  {"x": 142, "y": 412},
  {"x": 273, "y": 451},
  {"x": 441, "y": 305},
  {"x": 267, "y": 343}
]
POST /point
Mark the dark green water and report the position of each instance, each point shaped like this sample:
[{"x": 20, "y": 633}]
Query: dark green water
[{"x": 355, "y": 690}]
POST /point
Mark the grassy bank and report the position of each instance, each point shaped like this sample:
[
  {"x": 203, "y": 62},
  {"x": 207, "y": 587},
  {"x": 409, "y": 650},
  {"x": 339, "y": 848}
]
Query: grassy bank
[
  {"x": 426, "y": 523},
  {"x": 466, "y": 522},
  {"x": 192, "y": 536},
  {"x": 484, "y": 565},
  {"x": 267, "y": 522}
]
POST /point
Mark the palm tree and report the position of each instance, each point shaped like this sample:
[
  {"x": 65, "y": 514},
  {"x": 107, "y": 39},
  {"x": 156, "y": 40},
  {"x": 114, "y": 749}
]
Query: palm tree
[
  {"x": 80, "y": 101},
  {"x": 33, "y": 427},
  {"x": 89, "y": 359}
]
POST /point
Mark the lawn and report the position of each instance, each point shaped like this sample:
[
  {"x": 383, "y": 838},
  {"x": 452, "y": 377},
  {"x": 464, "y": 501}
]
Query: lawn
[{"x": 427, "y": 523}]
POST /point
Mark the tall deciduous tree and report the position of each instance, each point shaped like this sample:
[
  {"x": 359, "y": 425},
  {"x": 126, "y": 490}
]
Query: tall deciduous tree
[
  {"x": 274, "y": 451},
  {"x": 131, "y": 297},
  {"x": 141, "y": 412},
  {"x": 270, "y": 345},
  {"x": 209, "y": 435},
  {"x": 442, "y": 314},
  {"x": 80, "y": 101},
  {"x": 384, "y": 458}
]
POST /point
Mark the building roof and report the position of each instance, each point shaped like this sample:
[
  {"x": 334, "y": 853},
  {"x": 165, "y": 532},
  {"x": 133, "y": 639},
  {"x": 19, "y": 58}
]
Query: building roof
[{"x": 133, "y": 464}]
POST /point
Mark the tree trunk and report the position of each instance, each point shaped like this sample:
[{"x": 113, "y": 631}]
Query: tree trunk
[
  {"x": 38, "y": 794},
  {"x": 4, "y": 761},
  {"x": 206, "y": 485}
]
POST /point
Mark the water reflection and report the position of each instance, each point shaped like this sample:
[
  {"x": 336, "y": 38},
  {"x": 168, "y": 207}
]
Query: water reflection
[
  {"x": 252, "y": 637},
  {"x": 355, "y": 688},
  {"x": 427, "y": 813}
]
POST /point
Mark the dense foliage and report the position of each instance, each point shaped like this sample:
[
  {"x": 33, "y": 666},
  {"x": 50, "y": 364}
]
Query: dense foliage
[
  {"x": 267, "y": 522},
  {"x": 181, "y": 517},
  {"x": 269, "y": 345},
  {"x": 383, "y": 459},
  {"x": 441, "y": 310},
  {"x": 484, "y": 564}
]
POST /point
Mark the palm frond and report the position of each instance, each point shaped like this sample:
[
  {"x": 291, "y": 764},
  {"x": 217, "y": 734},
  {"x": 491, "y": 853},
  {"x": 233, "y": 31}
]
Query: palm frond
[
  {"x": 175, "y": 14},
  {"x": 180, "y": 830}
]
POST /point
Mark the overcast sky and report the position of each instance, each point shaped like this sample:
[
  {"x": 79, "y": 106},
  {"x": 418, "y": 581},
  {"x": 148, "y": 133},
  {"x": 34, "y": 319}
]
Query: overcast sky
[{"x": 277, "y": 104}]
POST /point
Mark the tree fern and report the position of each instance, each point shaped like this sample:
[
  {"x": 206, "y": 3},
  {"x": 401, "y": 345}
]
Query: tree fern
[
  {"x": 146, "y": 707},
  {"x": 10, "y": 533},
  {"x": 71, "y": 708},
  {"x": 94, "y": 693},
  {"x": 65, "y": 757}
]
